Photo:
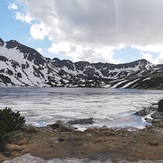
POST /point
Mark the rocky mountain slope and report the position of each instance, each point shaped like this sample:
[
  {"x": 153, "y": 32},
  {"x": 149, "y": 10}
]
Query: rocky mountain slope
[{"x": 23, "y": 66}]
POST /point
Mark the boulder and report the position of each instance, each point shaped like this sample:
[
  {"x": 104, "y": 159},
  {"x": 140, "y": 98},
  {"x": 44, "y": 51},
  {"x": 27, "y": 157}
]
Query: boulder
[
  {"x": 157, "y": 115},
  {"x": 160, "y": 105},
  {"x": 56, "y": 124},
  {"x": 63, "y": 127},
  {"x": 82, "y": 121}
]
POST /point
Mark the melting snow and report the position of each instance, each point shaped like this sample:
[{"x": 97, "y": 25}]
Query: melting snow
[{"x": 111, "y": 107}]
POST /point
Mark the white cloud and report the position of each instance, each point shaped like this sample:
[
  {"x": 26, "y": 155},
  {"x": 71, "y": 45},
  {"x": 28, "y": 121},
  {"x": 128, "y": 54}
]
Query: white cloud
[
  {"x": 148, "y": 57},
  {"x": 159, "y": 59},
  {"x": 12, "y": 6},
  {"x": 20, "y": 11},
  {"x": 38, "y": 31},
  {"x": 78, "y": 52},
  {"x": 39, "y": 50},
  {"x": 62, "y": 48},
  {"x": 23, "y": 18},
  {"x": 148, "y": 48},
  {"x": 91, "y": 27},
  {"x": 146, "y": 52}
]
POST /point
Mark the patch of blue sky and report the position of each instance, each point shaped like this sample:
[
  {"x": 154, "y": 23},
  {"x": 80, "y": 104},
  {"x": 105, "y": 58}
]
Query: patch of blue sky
[
  {"x": 10, "y": 27},
  {"x": 127, "y": 54}
]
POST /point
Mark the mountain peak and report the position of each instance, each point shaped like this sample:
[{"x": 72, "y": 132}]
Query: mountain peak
[
  {"x": 139, "y": 61},
  {"x": 24, "y": 66},
  {"x": 144, "y": 61},
  {"x": 12, "y": 44}
]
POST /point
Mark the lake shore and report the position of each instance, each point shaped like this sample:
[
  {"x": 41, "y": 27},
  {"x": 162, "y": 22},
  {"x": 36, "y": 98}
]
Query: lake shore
[{"x": 97, "y": 144}]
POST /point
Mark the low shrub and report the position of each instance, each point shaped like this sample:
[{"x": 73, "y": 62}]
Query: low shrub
[
  {"x": 10, "y": 121},
  {"x": 160, "y": 105}
]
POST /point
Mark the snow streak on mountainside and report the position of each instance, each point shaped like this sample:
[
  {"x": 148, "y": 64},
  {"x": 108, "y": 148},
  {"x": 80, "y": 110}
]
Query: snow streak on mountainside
[{"x": 23, "y": 66}]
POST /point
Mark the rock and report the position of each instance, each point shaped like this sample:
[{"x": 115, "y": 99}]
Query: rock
[
  {"x": 30, "y": 129},
  {"x": 57, "y": 140},
  {"x": 82, "y": 121},
  {"x": 157, "y": 123},
  {"x": 160, "y": 105},
  {"x": 104, "y": 127},
  {"x": 146, "y": 111},
  {"x": 157, "y": 119},
  {"x": 26, "y": 158},
  {"x": 88, "y": 134},
  {"x": 63, "y": 127},
  {"x": 157, "y": 115},
  {"x": 56, "y": 124},
  {"x": 15, "y": 137},
  {"x": 45, "y": 128},
  {"x": 61, "y": 140},
  {"x": 148, "y": 120}
]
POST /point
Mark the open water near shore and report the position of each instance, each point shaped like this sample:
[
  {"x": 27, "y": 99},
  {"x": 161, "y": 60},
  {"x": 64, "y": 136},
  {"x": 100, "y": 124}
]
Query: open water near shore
[{"x": 110, "y": 107}]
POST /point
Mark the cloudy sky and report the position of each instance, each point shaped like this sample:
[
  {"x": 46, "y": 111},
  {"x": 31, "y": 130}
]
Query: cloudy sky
[{"x": 114, "y": 31}]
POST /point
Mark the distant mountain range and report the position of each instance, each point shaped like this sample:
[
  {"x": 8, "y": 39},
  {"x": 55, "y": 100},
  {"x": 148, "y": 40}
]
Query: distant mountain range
[{"x": 23, "y": 66}]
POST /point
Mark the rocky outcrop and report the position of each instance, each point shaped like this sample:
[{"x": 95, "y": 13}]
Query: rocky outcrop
[
  {"x": 146, "y": 111},
  {"x": 1, "y": 42},
  {"x": 157, "y": 115},
  {"x": 155, "y": 112},
  {"x": 157, "y": 119}
]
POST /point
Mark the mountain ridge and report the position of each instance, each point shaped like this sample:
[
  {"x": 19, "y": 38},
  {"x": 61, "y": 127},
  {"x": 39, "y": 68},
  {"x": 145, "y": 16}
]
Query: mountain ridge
[{"x": 21, "y": 65}]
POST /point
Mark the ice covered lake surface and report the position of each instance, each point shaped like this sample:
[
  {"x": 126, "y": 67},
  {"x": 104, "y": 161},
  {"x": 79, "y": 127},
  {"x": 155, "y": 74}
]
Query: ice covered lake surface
[{"x": 110, "y": 107}]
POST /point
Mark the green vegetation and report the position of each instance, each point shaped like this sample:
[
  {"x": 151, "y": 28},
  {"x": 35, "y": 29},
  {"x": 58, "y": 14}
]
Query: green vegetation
[
  {"x": 9, "y": 121},
  {"x": 160, "y": 105}
]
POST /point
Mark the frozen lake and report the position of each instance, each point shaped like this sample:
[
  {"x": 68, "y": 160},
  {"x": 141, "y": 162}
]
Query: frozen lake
[{"x": 110, "y": 107}]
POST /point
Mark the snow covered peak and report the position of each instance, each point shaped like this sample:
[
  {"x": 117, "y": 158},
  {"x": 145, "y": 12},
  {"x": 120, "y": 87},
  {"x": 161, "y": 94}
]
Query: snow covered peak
[{"x": 24, "y": 66}]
